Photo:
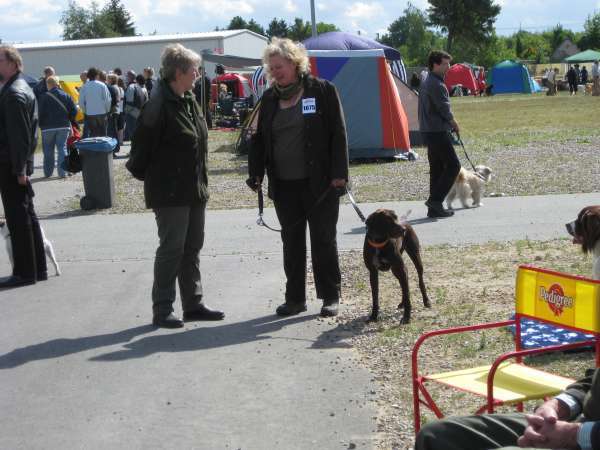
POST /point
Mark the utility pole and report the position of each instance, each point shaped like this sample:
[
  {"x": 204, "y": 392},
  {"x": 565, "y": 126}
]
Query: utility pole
[{"x": 312, "y": 18}]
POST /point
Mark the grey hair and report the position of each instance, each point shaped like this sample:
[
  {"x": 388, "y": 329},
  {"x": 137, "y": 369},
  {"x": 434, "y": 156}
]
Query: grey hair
[
  {"x": 288, "y": 49},
  {"x": 176, "y": 56}
]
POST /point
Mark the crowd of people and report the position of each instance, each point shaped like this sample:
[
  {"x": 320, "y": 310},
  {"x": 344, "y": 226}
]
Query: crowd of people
[{"x": 110, "y": 104}]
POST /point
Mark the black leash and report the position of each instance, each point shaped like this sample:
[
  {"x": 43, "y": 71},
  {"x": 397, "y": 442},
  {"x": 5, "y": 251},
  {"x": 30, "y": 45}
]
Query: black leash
[
  {"x": 458, "y": 140},
  {"x": 355, "y": 205},
  {"x": 261, "y": 204}
]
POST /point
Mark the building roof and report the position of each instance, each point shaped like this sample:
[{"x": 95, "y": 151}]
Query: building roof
[{"x": 132, "y": 40}]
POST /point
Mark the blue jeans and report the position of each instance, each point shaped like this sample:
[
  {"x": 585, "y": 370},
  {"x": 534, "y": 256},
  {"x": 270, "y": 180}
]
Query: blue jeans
[{"x": 54, "y": 139}]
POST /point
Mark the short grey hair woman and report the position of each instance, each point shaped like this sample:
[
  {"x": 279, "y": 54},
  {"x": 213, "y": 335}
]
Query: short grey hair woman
[
  {"x": 169, "y": 153},
  {"x": 301, "y": 145}
]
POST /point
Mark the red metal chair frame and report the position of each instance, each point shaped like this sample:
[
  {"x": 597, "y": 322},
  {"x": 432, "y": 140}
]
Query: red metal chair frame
[{"x": 518, "y": 354}]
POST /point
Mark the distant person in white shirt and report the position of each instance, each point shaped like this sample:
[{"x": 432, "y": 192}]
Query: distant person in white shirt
[
  {"x": 94, "y": 100},
  {"x": 596, "y": 78},
  {"x": 424, "y": 74}
]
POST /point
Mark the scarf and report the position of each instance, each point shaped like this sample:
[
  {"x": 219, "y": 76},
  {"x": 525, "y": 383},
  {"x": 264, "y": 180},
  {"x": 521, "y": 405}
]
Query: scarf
[{"x": 287, "y": 92}]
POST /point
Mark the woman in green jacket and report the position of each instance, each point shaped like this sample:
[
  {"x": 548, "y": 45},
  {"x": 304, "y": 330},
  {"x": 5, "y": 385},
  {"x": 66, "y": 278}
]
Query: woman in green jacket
[{"x": 169, "y": 153}]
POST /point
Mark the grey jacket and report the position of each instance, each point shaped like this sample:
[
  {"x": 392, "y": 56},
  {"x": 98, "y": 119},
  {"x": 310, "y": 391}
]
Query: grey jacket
[{"x": 434, "y": 105}]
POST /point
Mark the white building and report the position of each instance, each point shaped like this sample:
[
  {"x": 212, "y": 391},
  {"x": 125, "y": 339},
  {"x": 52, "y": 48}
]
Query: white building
[{"x": 135, "y": 52}]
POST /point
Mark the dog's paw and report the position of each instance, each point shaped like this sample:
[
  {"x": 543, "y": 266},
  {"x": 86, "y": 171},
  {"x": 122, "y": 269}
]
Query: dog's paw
[
  {"x": 426, "y": 303},
  {"x": 477, "y": 205},
  {"x": 449, "y": 207},
  {"x": 401, "y": 305},
  {"x": 372, "y": 318},
  {"x": 405, "y": 320}
]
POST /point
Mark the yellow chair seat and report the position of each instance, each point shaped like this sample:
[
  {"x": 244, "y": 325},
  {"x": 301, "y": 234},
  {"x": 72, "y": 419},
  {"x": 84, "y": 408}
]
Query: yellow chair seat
[{"x": 513, "y": 382}]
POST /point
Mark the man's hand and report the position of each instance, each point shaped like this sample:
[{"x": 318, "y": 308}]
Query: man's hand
[
  {"x": 338, "y": 183},
  {"x": 549, "y": 433},
  {"x": 455, "y": 126},
  {"x": 22, "y": 180}
]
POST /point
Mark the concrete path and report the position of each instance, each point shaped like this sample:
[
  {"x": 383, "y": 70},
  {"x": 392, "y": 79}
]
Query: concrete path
[{"x": 81, "y": 368}]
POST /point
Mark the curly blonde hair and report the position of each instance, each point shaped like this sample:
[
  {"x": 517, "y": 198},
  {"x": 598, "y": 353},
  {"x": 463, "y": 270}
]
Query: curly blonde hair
[{"x": 288, "y": 49}]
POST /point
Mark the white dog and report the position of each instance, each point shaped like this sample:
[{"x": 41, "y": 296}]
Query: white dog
[
  {"x": 47, "y": 246},
  {"x": 469, "y": 184}
]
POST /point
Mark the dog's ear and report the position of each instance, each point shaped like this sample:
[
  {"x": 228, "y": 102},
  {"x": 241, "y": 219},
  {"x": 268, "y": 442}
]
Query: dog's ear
[
  {"x": 397, "y": 231},
  {"x": 590, "y": 228}
]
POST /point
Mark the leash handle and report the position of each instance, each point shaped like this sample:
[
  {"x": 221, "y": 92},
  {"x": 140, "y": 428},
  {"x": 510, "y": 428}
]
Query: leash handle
[{"x": 261, "y": 202}]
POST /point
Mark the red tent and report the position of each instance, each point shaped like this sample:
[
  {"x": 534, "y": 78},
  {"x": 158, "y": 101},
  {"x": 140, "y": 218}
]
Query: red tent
[
  {"x": 463, "y": 75},
  {"x": 237, "y": 85}
]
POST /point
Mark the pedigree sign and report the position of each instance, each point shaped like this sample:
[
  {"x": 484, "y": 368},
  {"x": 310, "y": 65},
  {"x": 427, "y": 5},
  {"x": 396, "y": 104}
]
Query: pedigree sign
[{"x": 555, "y": 300}]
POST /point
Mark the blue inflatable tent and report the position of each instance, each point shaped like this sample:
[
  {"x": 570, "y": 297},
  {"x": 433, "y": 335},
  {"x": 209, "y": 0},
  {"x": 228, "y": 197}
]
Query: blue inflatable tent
[{"x": 508, "y": 77}]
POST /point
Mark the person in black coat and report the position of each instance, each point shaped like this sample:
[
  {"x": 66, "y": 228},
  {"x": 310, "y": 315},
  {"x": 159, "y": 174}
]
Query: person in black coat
[
  {"x": 302, "y": 146},
  {"x": 18, "y": 139},
  {"x": 573, "y": 79}
]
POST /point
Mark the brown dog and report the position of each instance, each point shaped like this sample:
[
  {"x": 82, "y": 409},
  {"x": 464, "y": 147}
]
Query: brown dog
[
  {"x": 385, "y": 241},
  {"x": 586, "y": 232}
]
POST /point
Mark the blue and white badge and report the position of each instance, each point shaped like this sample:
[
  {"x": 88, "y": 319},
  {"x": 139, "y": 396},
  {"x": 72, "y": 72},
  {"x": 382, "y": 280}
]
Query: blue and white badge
[{"x": 309, "y": 106}]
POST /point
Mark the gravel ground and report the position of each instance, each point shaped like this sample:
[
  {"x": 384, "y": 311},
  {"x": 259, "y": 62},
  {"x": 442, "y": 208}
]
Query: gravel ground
[
  {"x": 484, "y": 294},
  {"x": 550, "y": 168}
]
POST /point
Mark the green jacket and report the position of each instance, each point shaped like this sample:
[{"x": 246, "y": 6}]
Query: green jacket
[{"x": 169, "y": 150}]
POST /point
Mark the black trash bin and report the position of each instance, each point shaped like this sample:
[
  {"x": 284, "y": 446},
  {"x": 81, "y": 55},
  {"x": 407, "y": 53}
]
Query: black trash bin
[{"x": 97, "y": 169}]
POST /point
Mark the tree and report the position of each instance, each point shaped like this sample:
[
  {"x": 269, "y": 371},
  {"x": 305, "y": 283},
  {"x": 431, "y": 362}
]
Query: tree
[
  {"x": 75, "y": 21},
  {"x": 237, "y": 23},
  {"x": 118, "y": 18},
  {"x": 81, "y": 23},
  {"x": 323, "y": 27},
  {"x": 254, "y": 26},
  {"x": 471, "y": 20},
  {"x": 277, "y": 28},
  {"x": 300, "y": 30},
  {"x": 410, "y": 34},
  {"x": 590, "y": 38}
]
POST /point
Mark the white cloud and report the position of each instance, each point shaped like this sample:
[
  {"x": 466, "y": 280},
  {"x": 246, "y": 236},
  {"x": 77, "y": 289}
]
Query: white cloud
[
  {"x": 361, "y": 10},
  {"x": 290, "y": 6}
]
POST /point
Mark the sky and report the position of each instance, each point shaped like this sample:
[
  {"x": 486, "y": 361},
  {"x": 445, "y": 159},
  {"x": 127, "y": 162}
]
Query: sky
[{"x": 38, "y": 20}]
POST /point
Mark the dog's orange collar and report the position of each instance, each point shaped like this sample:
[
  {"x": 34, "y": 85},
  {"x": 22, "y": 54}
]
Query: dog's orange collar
[{"x": 378, "y": 245}]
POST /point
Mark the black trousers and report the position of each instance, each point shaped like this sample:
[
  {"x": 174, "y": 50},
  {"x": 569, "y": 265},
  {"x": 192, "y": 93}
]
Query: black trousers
[
  {"x": 25, "y": 233},
  {"x": 573, "y": 87},
  {"x": 443, "y": 165},
  {"x": 95, "y": 126},
  {"x": 482, "y": 432},
  {"x": 113, "y": 120},
  {"x": 293, "y": 201}
]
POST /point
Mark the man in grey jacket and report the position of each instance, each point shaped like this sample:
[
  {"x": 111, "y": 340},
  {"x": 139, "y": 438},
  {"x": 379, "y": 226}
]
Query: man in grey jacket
[{"x": 436, "y": 122}]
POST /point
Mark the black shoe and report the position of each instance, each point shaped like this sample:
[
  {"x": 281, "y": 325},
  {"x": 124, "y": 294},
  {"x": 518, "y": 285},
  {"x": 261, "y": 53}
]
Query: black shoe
[
  {"x": 168, "y": 321},
  {"x": 330, "y": 308},
  {"x": 434, "y": 213},
  {"x": 16, "y": 281},
  {"x": 202, "y": 312},
  {"x": 290, "y": 309},
  {"x": 42, "y": 276}
]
